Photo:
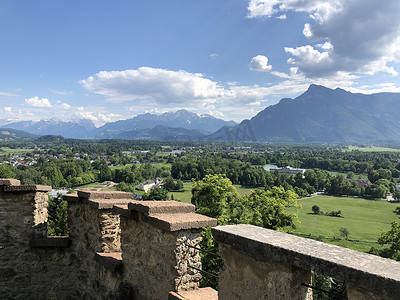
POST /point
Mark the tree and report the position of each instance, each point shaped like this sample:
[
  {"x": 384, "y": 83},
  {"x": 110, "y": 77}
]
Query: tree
[
  {"x": 316, "y": 210},
  {"x": 344, "y": 231},
  {"x": 179, "y": 185},
  {"x": 392, "y": 238},
  {"x": 269, "y": 207},
  {"x": 57, "y": 216},
  {"x": 6, "y": 171},
  {"x": 156, "y": 194},
  {"x": 169, "y": 184},
  {"x": 212, "y": 194}
]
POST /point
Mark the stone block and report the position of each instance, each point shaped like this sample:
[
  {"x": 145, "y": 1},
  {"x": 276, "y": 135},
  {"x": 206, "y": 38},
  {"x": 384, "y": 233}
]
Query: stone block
[
  {"x": 367, "y": 272},
  {"x": 104, "y": 195},
  {"x": 180, "y": 221},
  {"x": 51, "y": 241},
  {"x": 161, "y": 207},
  {"x": 107, "y": 203},
  {"x": 122, "y": 209},
  {"x": 8, "y": 181},
  {"x": 206, "y": 293},
  {"x": 27, "y": 188},
  {"x": 71, "y": 198},
  {"x": 111, "y": 261}
]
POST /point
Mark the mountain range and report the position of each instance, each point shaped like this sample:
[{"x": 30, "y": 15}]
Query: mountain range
[
  {"x": 322, "y": 115},
  {"x": 204, "y": 123},
  {"x": 179, "y": 125},
  {"x": 318, "y": 115}
]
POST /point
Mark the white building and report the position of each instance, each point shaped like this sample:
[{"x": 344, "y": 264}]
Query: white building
[{"x": 287, "y": 170}]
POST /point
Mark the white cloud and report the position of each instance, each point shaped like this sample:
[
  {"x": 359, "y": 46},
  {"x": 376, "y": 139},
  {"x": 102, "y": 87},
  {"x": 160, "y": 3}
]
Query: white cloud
[
  {"x": 108, "y": 117},
  {"x": 163, "y": 86},
  {"x": 57, "y": 92},
  {"x": 7, "y": 109},
  {"x": 5, "y": 94},
  {"x": 65, "y": 106},
  {"x": 357, "y": 36},
  {"x": 282, "y": 17},
  {"x": 36, "y": 102},
  {"x": 214, "y": 55},
  {"x": 260, "y": 63},
  {"x": 86, "y": 115}
]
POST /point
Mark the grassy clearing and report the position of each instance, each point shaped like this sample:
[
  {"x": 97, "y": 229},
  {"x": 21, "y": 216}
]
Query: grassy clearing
[
  {"x": 365, "y": 219},
  {"x": 186, "y": 195},
  {"x": 6, "y": 150},
  {"x": 372, "y": 149}
]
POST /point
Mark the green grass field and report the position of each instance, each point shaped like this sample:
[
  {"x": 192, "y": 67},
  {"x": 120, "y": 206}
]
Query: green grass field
[
  {"x": 365, "y": 219},
  {"x": 6, "y": 150},
  {"x": 186, "y": 195},
  {"x": 372, "y": 149}
]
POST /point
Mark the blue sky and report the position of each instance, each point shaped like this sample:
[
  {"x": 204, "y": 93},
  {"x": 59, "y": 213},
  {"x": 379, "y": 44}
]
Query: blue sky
[{"x": 111, "y": 60}]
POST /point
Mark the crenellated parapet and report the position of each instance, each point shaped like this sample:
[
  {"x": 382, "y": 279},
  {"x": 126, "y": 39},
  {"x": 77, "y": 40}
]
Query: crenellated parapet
[
  {"x": 120, "y": 248},
  {"x": 267, "y": 264}
]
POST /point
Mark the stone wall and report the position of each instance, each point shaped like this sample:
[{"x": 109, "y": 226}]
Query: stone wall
[
  {"x": 158, "y": 261},
  {"x": 257, "y": 278},
  {"x": 277, "y": 264},
  {"x": 27, "y": 271},
  {"x": 88, "y": 264}
]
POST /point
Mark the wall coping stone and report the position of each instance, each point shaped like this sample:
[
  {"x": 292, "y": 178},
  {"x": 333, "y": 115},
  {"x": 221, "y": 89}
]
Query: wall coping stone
[
  {"x": 363, "y": 270},
  {"x": 71, "y": 197},
  {"x": 180, "y": 221},
  {"x": 50, "y": 241},
  {"x": 27, "y": 188},
  {"x": 111, "y": 260},
  {"x": 122, "y": 209},
  {"x": 9, "y": 181},
  {"x": 107, "y": 203},
  {"x": 206, "y": 293},
  {"x": 104, "y": 195},
  {"x": 161, "y": 207}
]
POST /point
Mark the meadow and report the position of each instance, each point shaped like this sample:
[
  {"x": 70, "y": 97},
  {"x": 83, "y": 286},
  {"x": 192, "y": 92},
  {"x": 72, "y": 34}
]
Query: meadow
[
  {"x": 186, "y": 195},
  {"x": 365, "y": 220},
  {"x": 372, "y": 149}
]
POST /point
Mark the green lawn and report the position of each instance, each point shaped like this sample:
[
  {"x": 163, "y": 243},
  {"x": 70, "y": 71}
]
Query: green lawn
[
  {"x": 365, "y": 219},
  {"x": 186, "y": 195},
  {"x": 6, "y": 150},
  {"x": 372, "y": 149}
]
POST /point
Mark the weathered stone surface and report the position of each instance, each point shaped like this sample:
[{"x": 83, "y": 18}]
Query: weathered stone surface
[
  {"x": 107, "y": 203},
  {"x": 71, "y": 197},
  {"x": 161, "y": 207},
  {"x": 157, "y": 262},
  {"x": 206, "y": 293},
  {"x": 179, "y": 221},
  {"x": 51, "y": 241},
  {"x": 26, "y": 272},
  {"x": 27, "y": 188},
  {"x": 123, "y": 210},
  {"x": 104, "y": 195},
  {"x": 8, "y": 181},
  {"x": 245, "y": 277},
  {"x": 372, "y": 273},
  {"x": 111, "y": 261}
]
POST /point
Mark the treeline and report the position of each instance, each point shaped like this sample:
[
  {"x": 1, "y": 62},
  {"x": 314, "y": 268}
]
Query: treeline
[
  {"x": 72, "y": 173},
  {"x": 244, "y": 173}
]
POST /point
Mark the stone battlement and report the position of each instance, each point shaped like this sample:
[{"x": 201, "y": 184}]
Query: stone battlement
[{"x": 119, "y": 248}]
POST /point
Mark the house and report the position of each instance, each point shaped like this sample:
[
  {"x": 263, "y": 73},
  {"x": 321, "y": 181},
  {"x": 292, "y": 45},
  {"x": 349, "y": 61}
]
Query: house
[
  {"x": 150, "y": 184},
  {"x": 287, "y": 170}
]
